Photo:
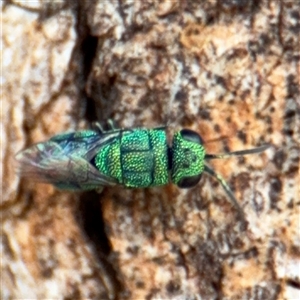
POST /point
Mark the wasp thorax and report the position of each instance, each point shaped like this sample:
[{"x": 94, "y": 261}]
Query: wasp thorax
[{"x": 188, "y": 156}]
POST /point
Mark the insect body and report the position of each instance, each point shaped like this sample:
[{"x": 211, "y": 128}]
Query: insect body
[{"x": 134, "y": 158}]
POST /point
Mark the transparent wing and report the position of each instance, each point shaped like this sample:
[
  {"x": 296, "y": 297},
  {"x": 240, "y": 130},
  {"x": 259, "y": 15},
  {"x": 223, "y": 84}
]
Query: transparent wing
[{"x": 64, "y": 161}]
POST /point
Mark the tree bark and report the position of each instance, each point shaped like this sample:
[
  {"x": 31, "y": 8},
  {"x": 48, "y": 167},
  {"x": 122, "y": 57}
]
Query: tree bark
[{"x": 228, "y": 70}]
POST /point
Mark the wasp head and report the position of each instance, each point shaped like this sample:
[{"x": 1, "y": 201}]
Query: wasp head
[{"x": 188, "y": 156}]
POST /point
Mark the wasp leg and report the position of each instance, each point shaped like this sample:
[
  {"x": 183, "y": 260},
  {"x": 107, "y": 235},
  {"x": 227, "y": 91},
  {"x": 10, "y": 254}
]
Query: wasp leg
[
  {"x": 99, "y": 189},
  {"x": 112, "y": 124},
  {"x": 229, "y": 192},
  {"x": 97, "y": 127}
]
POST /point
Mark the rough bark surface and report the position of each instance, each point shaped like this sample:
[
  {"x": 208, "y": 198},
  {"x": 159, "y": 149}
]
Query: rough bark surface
[{"x": 226, "y": 69}]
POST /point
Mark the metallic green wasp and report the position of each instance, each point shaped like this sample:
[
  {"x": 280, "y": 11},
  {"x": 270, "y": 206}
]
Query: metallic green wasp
[{"x": 134, "y": 158}]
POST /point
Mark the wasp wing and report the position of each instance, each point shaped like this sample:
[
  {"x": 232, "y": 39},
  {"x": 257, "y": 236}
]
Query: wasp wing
[{"x": 64, "y": 161}]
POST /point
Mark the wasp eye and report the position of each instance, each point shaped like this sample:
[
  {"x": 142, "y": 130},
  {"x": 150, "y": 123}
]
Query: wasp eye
[
  {"x": 191, "y": 136},
  {"x": 188, "y": 182}
]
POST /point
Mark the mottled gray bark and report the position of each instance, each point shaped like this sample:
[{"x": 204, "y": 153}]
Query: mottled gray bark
[{"x": 226, "y": 69}]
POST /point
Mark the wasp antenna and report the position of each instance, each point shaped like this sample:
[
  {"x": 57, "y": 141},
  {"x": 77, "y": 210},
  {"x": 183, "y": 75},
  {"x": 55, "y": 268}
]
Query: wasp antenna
[
  {"x": 237, "y": 153},
  {"x": 229, "y": 192}
]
